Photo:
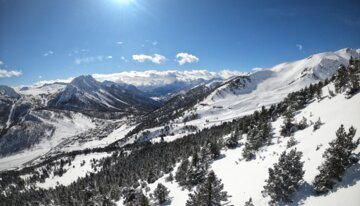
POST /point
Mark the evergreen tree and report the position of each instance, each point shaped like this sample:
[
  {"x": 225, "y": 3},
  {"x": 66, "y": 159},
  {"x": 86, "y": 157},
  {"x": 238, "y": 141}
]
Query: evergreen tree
[
  {"x": 341, "y": 79},
  {"x": 354, "y": 77},
  {"x": 138, "y": 199},
  {"x": 197, "y": 171},
  {"x": 303, "y": 124},
  {"x": 317, "y": 124},
  {"x": 249, "y": 203},
  {"x": 258, "y": 137},
  {"x": 338, "y": 157},
  {"x": 288, "y": 128},
  {"x": 232, "y": 142},
  {"x": 210, "y": 193},
  {"x": 285, "y": 177},
  {"x": 161, "y": 193},
  {"x": 291, "y": 142},
  {"x": 182, "y": 172}
]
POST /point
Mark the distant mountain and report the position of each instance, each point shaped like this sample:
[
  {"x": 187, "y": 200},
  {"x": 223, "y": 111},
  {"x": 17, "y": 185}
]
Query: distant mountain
[
  {"x": 163, "y": 85},
  {"x": 86, "y": 94}
]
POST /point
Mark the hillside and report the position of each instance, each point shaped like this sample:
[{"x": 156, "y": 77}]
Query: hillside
[{"x": 242, "y": 129}]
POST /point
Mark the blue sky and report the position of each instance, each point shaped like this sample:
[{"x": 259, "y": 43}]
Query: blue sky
[{"x": 56, "y": 39}]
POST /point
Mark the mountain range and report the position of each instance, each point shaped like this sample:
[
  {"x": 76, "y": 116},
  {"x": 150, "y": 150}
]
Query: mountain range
[{"x": 83, "y": 124}]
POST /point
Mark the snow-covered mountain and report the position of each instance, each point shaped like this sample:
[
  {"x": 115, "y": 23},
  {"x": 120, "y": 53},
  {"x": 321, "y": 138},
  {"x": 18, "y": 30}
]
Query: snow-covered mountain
[
  {"x": 49, "y": 133},
  {"x": 86, "y": 94},
  {"x": 268, "y": 86}
]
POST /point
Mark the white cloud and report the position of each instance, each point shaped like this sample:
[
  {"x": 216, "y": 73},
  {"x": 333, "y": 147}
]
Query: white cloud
[
  {"x": 156, "y": 58},
  {"x": 6, "y": 73},
  {"x": 155, "y": 43},
  {"x": 258, "y": 69},
  {"x": 299, "y": 46},
  {"x": 183, "y": 58},
  {"x": 42, "y": 82},
  {"x": 40, "y": 77},
  {"x": 1, "y": 62},
  {"x": 48, "y": 53},
  {"x": 160, "y": 78},
  {"x": 119, "y": 43},
  {"x": 155, "y": 78},
  {"x": 91, "y": 59}
]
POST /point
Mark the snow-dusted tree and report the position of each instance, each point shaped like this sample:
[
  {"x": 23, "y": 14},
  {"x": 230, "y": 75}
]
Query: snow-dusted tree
[
  {"x": 338, "y": 157},
  {"x": 285, "y": 177},
  {"x": 182, "y": 172},
  {"x": 139, "y": 199},
  {"x": 257, "y": 137},
  {"x": 161, "y": 193},
  {"x": 210, "y": 193},
  {"x": 288, "y": 128},
  {"x": 303, "y": 124},
  {"x": 249, "y": 202},
  {"x": 233, "y": 141},
  {"x": 354, "y": 77},
  {"x": 291, "y": 142},
  {"x": 317, "y": 124},
  {"x": 341, "y": 79},
  {"x": 197, "y": 171}
]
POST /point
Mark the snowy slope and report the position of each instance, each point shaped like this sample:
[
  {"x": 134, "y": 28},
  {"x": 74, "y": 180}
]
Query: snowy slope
[
  {"x": 244, "y": 179},
  {"x": 268, "y": 86}
]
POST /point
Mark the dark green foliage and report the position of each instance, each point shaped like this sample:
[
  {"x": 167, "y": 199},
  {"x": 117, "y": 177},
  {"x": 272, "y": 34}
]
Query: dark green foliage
[
  {"x": 348, "y": 78},
  {"x": 338, "y": 157},
  {"x": 354, "y": 77},
  {"x": 291, "y": 142},
  {"x": 317, "y": 124},
  {"x": 249, "y": 203},
  {"x": 197, "y": 171},
  {"x": 258, "y": 137},
  {"x": 182, "y": 171},
  {"x": 342, "y": 79},
  {"x": 210, "y": 193},
  {"x": 285, "y": 177},
  {"x": 303, "y": 124},
  {"x": 233, "y": 141},
  {"x": 289, "y": 127},
  {"x": 161, "y": 193}
]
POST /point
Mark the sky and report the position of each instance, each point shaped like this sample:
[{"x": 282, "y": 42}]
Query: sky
[{"x": 57, "y": 39}]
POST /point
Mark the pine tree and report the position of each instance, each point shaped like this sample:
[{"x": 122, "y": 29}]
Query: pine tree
[
  {"x": 317, "y": 124},
  {"x": 303, "y": 124},
  {"x": 354, "y": 77},
  {"x": 210, "y": 193},
  {"x": 161, "y": 193},
  {"x": 291, "y": 142},
  {"x": 138, "y": 199},
  {"x": 341, "y": 79},
  {"x": 182, "y": 172},
  {"x": 338, "y": 157},
  {"x": 258, "y": 137},
  {"x": 288, "y": 128},
  {"x": 285, "y": 177},
  {"x": 197, "y": 171},
  {"x": 249, "y": 203},
  {"x": 232, "y": 142}
]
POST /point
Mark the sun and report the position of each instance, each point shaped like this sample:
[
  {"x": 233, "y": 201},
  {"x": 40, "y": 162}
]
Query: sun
[{"x": 124, "y": 1}]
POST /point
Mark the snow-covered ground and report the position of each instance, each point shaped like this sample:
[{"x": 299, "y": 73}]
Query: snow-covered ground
[
  {"x": 65, "y": 128},
  {"x": 268, "y": 86},
  {"x": 79, "y": 167},
  {"x": 245, "y": 179}
]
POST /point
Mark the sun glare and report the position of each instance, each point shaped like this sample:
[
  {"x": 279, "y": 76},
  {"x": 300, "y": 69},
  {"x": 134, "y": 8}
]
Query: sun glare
[{"x": 124, "y": 1}]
